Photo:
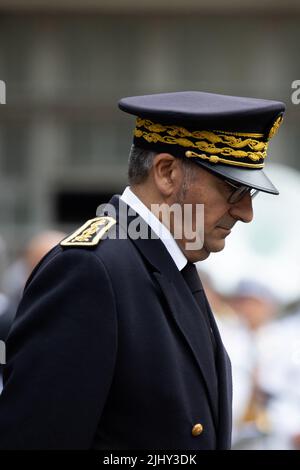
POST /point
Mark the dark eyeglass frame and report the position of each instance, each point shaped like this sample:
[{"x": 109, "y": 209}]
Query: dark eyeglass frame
[{"x": 239, "y": 192}]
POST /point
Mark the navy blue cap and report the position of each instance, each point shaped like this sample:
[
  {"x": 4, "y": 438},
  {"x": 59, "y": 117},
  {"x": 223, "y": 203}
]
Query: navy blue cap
[{"x": 227, "y": 135}]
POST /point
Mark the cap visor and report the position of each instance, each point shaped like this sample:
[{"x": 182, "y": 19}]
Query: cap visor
[{"x": 256, "y": 179}]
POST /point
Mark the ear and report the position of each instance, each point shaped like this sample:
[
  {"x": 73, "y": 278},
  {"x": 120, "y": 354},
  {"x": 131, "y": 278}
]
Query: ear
[{"x": 167, "y": 173}]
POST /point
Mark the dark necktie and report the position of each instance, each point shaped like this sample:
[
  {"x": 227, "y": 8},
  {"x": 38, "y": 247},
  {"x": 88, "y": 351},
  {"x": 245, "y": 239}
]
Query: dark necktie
[{"x": 191, "y": 277}]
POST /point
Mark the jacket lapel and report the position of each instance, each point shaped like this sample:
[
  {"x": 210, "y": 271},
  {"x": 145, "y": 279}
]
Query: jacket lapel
[
  {"x": 225, "y": 388},
  {"x": 194, "y": 330},
  {"x": 225, "y": 399}
]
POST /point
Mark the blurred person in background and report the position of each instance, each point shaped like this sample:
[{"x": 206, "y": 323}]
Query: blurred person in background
[
  {"x": 3, "y": 309},
  {"x": 15, "y": 276},
  {"x": 4, "y": 328},
  {"x": 241, "y": 349},
  {"x": 4, "y": 301},
  {"x": 114, "y": 327},
  {"x": 258, "y": 307},
  {"x": 278, "y": 378},
  {"x": 255, "y": 302}
]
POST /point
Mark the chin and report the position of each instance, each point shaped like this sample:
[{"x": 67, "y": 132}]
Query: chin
[
  {"x": 195, "y": 256},
  {"x": 216, "y": 246},
  {"x": 206, "y": 250}
]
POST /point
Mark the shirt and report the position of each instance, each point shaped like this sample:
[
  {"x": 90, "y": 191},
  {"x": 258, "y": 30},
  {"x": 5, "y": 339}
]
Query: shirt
[{"x": 158, "y": 228}]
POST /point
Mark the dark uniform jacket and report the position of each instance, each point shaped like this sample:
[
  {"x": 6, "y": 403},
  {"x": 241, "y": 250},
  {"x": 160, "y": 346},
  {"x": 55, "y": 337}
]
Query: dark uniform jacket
[{"x": 109, "y": 350}]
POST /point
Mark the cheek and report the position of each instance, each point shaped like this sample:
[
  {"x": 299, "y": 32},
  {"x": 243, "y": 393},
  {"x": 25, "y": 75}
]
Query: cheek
[{"x": 213, "y": 214}]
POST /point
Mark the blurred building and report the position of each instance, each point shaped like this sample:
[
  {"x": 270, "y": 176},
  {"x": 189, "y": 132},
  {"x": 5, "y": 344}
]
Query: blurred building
[{"x": 63, "y": 142}]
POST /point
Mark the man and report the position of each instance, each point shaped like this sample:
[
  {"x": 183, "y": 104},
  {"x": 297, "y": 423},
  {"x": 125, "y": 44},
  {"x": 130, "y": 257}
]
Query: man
[{"x": 114, "y": 345}]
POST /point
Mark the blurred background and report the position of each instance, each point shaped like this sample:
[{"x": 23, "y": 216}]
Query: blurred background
[{"x": 64, "y": 147}]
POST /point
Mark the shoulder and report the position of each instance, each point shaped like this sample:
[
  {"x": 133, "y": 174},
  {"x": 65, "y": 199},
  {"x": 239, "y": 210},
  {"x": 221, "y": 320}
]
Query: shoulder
[
  {"x": 97, "y": 244},
  {"x": 76, "y": 252},
  {"x": 103, "y": 237}
]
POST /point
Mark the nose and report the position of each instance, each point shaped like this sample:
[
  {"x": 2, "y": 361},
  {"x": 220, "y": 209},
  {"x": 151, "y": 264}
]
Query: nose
[{"x": 242, "y": 210}]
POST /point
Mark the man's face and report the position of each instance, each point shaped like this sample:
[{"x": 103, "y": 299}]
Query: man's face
[{"x": 219, "y": 215}]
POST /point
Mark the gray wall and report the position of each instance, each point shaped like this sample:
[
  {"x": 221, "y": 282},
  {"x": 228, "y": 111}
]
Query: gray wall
[{"x": 61, "y": 131}]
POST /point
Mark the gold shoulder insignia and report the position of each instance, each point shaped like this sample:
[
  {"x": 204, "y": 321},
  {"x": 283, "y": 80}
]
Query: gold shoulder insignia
[{"x": 90, "y": 233}]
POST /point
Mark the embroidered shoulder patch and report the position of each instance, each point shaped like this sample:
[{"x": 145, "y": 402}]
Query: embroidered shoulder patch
[{"x": 90, "y": 233}]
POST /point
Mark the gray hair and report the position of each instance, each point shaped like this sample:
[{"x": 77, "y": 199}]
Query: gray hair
[{"x": 140, "y": 163}]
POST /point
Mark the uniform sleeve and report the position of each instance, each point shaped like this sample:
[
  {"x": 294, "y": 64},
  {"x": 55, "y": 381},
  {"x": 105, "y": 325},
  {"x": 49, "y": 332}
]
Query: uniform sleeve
[{"x": 61, "y": 356}]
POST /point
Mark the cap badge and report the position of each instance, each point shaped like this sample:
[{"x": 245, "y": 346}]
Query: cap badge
[{"x": 275, "y": 127}]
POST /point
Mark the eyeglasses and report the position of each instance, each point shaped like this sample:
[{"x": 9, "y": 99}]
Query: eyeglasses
[{"x": 239, "y": 192}]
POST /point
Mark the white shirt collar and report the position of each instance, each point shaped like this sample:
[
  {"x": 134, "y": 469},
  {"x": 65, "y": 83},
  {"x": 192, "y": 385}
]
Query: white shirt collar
[{"x": 158, "y": 228}]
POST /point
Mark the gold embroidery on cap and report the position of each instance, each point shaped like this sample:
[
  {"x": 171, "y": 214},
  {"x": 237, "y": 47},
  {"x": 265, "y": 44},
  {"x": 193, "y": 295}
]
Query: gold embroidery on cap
[
  {"x": 205, "y": 146},
  {"x": 215, "y": 137},
  {"x": 232, "y": 145},
  {"x": 183, "y": 132},
  {"x": 275, "y": 127}
]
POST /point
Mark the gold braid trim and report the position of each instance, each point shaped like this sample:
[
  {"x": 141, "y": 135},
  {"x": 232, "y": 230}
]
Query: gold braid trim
[
  {"x": 214, "y": 137},
  {"x": 179, "y": 136},
  {"x": 201, "y": 145},
  {"x": 216, "y": 159},
  {"x": 243, "y": 134}
]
